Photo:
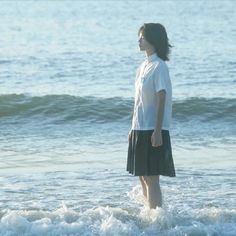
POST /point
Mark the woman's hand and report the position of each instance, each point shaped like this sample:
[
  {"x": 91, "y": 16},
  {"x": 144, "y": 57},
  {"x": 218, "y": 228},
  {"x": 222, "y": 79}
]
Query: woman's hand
[{"x": 156, "y": 139}]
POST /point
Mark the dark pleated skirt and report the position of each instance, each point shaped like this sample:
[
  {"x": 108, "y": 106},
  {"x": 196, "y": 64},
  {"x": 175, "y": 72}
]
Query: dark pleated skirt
[{"x": 145, "y": 160}]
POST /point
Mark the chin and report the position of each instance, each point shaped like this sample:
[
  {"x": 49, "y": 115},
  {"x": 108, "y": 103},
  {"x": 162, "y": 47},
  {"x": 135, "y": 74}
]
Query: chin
[{"x": 140, "y": 48}]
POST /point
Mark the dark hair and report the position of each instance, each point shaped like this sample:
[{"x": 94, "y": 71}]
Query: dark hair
[{"x": 156, "y": 35}]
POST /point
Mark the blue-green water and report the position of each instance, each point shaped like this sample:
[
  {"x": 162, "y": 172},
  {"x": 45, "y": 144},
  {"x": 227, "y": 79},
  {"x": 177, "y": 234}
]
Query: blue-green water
[{"x": 66, "y": 97}]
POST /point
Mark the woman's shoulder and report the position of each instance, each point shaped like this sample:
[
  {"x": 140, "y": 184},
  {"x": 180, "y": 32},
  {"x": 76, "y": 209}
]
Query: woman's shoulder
[{"x": 160, "y": 65}]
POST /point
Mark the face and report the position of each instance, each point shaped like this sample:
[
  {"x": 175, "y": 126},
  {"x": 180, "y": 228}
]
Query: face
[{"x": 144, "y": 45}]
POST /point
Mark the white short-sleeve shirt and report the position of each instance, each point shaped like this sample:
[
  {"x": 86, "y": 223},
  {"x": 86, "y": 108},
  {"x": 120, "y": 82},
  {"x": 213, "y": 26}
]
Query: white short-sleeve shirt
[{"x": 151, "y": 77}]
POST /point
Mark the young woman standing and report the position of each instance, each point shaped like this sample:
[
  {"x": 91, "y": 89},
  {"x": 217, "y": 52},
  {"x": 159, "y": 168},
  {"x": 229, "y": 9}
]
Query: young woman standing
[{"x": 149, "y": 152}]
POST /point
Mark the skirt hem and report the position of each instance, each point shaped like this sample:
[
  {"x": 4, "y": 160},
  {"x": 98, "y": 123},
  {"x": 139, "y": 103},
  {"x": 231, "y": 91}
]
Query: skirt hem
[{"x": 151, "y": 174}]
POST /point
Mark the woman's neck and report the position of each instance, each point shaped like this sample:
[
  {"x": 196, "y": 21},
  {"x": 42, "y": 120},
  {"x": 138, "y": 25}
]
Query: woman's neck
[{"x": 150, "y": 52}]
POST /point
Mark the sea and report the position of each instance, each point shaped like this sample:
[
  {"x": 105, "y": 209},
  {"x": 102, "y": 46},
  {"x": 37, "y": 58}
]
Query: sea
[{"x": 67, "y": 72}]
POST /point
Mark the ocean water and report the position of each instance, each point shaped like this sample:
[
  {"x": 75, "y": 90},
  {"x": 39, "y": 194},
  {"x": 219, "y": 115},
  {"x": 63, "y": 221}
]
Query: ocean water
[{"x": 66, "y": 97}]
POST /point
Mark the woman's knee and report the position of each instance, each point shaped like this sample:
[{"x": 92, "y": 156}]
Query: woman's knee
[{"x": 151, "y": 180}]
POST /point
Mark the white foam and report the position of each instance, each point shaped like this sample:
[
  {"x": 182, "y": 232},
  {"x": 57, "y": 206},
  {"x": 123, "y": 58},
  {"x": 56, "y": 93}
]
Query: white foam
[
  {"x": 109, "y": 221},
  {"x": 134, "y": 219}
]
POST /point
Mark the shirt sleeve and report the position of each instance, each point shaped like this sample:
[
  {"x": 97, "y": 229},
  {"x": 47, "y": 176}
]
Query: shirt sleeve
[{"x": 160, "y": 78}]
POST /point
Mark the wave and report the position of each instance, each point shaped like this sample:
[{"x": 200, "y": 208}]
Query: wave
[
  {"x": 117, "y": 221},
  {"x": 67, "y": 108},
  {"x": 206, "y": 108}
]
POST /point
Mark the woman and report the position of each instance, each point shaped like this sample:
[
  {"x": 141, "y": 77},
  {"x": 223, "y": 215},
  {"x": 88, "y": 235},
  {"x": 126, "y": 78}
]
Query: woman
[{"x": 149, "y": 152}]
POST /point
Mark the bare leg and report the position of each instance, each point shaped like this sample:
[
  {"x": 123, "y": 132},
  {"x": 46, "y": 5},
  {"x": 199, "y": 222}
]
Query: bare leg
[
  {"x": 144, "y": 186},
  {"x": 153, "y": 191}
]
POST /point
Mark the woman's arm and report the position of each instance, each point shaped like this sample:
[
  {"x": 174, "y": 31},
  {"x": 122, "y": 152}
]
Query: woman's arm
[{"x": 156, "y": 138}]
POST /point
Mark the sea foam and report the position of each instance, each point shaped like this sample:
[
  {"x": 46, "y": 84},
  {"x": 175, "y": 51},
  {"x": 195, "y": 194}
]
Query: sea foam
[{"x": 109, "y": 221}]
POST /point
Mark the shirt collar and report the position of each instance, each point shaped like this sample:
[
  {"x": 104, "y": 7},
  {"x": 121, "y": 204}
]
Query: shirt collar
[{"x": 152, "y": 57}]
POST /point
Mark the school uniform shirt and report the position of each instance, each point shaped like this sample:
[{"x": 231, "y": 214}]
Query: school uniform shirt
[{"x": 152, "y": 76}]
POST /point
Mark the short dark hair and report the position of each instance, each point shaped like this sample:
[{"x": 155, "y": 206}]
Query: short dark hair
[{"x": 156, "y": 35}]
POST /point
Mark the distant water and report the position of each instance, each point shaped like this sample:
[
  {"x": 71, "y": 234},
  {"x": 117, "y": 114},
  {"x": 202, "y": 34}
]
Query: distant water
[{"x": 66, "y": 97}]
